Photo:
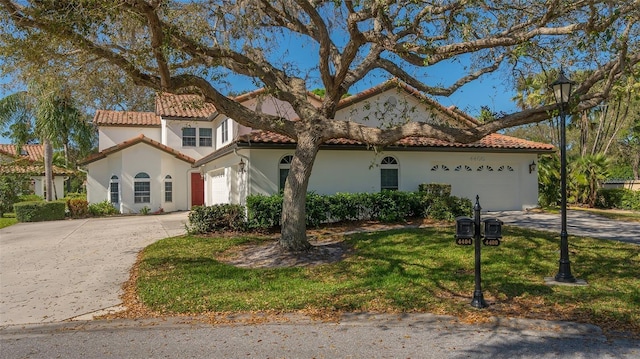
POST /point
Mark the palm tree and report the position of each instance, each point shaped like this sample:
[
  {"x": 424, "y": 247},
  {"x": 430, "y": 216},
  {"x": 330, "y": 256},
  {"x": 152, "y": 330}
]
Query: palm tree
[{"x": 46, "y": 114}]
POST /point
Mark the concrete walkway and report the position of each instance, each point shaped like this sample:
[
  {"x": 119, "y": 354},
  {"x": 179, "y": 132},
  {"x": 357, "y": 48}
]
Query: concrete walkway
[
  {"x": 579, "y": 223},
  {"x": 54, "y": 271}
]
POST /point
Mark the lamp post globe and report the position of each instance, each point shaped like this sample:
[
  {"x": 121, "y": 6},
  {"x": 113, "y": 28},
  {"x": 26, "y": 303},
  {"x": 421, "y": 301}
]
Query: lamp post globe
[{"x": 562, "y": 88}]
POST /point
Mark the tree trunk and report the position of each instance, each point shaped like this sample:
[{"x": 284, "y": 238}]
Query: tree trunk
[
  {"x": 294, "y": 228},
  {"x": 48, "y": 169}
]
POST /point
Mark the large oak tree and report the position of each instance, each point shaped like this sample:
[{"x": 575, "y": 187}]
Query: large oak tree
[{"x": 191, "y": 46}]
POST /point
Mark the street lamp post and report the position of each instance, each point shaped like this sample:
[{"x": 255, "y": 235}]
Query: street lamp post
[{"x": 562, "y": 90}]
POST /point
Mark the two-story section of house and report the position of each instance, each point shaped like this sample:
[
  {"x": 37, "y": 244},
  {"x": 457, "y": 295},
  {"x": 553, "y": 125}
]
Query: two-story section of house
[{"x": 145, "y": 158}]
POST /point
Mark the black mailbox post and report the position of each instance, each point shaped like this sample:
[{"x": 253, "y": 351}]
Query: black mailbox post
[{"x": 467, "y": 230}]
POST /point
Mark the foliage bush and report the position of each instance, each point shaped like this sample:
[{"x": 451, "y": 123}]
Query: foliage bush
[
  {"x": 104, "y": 208},
  {"x": 219, "y": 217},
  {"x": 386, "y": 206},
  {"x": 264, "y": 211},
  {"x": 621, "y": 198},
  {"x": 39, "y": 211},
  {"x": 11, "y": 188},
  {"x": 78, "y": 207}
]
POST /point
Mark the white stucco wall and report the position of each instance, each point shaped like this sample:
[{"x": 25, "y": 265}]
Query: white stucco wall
[
  {"x": 109, "y": 136},
  {"x": 126, "y": 164},
  {"x": 357, "y": 171},
  {"x": 390, "y": 108},
  {"x": 58, "y": 182},
  {"x": 172, "y": 137}
]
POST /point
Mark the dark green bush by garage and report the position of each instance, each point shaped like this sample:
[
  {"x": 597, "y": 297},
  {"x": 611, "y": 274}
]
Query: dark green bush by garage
[{"x": 39, "y": 211}]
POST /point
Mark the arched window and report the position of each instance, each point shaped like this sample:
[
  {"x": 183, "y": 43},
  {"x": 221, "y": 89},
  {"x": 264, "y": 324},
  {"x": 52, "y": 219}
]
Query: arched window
[
  {"x": 389, "y": 174},
  {"x": 114, "y": 189},
  {"x": 142, "y": 188},
  {"x": 283, "y": 169},
  {"x": 168, "y": 189}
]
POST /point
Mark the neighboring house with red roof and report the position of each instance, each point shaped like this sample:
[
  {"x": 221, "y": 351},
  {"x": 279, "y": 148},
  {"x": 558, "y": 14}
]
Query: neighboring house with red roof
[
  {"x": 30, "y": 161},
  {"x": 186, "y": 153}
]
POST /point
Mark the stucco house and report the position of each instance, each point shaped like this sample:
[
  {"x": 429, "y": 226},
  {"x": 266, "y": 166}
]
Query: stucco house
[
  {"x": 30, "y": 161},
  {"x": 186, "y": 154}
]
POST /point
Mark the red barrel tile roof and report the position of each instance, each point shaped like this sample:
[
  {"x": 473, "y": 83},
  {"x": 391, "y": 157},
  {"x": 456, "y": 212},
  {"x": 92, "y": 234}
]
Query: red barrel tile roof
[
  {"x": 30, "y": 152},
  {"x": 491, "y": 141},
  {"x": 184, "y": 106},
  {"x": 126, "y": 118},
  {"x": 138, "y": 139}
]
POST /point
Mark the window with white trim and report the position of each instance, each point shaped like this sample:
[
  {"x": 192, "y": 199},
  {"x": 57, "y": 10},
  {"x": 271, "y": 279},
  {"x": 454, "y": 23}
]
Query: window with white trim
[
  {"x": 224, "y": 130},
  {"x": 188, "y": 137},
  {"x": 389, "y": 174},
  {"x": 168, "y": 189},
  {"x": 205, "y": 138},
  {"x": 283, "y": 170},
  {"x": 114, "y": 189},
  {"x": 142, "y": 188}
]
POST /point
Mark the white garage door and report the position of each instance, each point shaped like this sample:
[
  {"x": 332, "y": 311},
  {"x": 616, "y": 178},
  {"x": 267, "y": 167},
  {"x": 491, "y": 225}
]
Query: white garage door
[
  {"x": 498, "y": 185},
  {"x": 218, "y": 187}
]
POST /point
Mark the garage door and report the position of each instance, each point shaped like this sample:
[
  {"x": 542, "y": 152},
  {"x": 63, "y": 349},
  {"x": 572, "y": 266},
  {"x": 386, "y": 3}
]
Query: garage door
[
  {"x": 218, "y": 187},
  {"x": 498, "y": 185}
]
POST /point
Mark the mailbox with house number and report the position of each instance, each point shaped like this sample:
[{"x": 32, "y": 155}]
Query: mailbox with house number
[
  {"x": 465, "y": 230},
  {"x": 492, "y": 232}
]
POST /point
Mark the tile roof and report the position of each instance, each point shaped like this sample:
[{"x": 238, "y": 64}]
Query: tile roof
[
  {"x": 491, "y": 141},
  {"x": 138, "y": 139},
  {"x": 126, "y": 118},
  {"x": 31, "y": 168},
  {"x": 31, "y": 152},
  {"x": 184, "y": 106}
]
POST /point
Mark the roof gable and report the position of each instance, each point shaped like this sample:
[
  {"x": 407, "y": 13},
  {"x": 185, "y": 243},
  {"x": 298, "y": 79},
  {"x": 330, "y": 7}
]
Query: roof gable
[
  {"x": 134, "y": 141},
  {"x": 414, "y": 106}
]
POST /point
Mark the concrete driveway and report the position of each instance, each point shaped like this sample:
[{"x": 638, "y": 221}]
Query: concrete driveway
[
  {"x": 579, "y": 223},
  {"x": 59, "y": 270}
]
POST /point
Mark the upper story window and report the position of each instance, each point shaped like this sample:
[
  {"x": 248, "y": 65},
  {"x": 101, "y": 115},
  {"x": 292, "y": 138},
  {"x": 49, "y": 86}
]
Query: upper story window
[
  {"x": 205, "y": 137},
  {"x": 142, "y": 188},
  {"x": 224, "y": 130},
  {"x": 389, "y": 174},
  {"x": 283, "y": 169},
  {"x": 188, "y": 137}
]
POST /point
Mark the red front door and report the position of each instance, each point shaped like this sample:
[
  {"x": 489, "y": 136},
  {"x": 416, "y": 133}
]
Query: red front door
[{"x": 197, "y": 190}]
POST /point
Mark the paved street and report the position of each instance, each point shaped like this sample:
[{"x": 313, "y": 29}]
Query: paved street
[
  {"x": 57, "y": 270},
  {"x": 357, "y": 336}
]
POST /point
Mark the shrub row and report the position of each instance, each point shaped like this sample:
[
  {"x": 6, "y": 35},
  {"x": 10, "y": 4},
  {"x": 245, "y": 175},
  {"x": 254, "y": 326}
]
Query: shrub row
[
  {"x": 222, "y": 217},
  {"x": 36, "y": 211},
  {"x": 620, "y": 198},
  {"x": 265, "y": 212}
]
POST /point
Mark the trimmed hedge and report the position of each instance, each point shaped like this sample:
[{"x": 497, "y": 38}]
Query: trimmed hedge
[
  {"x": 39, "y": 211},
  {"x": 218, "y": 217},
  {"x": 386, "y": 206}
]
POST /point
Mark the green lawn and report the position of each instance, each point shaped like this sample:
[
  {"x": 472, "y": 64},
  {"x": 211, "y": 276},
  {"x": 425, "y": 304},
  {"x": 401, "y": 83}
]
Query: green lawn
[
  {"x": 412, "y": 270},
  {"x": 7, "y": 219}
]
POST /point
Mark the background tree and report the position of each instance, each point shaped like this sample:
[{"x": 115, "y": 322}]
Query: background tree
[
  {"x": 193, "y": 46},
  {"x": 46, "y": 114}
]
